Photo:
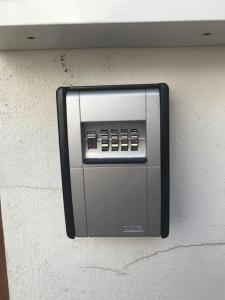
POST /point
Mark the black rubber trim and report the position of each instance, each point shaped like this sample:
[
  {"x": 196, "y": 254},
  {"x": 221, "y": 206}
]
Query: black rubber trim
[
  {"x": 114, "y": 87},
  {"x": 165, "y": 179},
  {"x": 65, "y": 165},
  {"x": 114, "y": 160}
]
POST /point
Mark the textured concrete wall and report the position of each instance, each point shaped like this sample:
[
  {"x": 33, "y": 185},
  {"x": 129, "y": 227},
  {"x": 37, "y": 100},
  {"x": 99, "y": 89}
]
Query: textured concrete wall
[{"x": 42, "y": 262}]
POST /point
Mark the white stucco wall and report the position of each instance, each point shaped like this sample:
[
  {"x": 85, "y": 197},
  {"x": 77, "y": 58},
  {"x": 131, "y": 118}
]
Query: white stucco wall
[{"x": 42, "y": 262}]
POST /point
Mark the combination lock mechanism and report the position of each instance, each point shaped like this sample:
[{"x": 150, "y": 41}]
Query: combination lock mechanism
[{"x": 114, "y": 140}]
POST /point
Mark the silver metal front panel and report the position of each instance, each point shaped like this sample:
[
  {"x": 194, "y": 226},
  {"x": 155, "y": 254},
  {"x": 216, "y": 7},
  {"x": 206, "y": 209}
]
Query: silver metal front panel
[
  {"x": 124, "y": 105},
  {"x": 79, "y": 207},
  {"x": 153, "y": 126},
  {"x": 154, "y": 201},
  {"x": 74, "y": 129},
  {"x": 153, "y": 161},
  {"x": 116, "y": 200}
]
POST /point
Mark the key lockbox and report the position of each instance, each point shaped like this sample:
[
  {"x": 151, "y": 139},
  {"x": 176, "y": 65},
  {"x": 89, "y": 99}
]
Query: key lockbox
[{"x": 114, "y": 151}]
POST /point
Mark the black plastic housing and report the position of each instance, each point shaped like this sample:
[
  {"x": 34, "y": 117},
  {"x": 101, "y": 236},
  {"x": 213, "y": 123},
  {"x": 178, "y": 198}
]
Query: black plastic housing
[{"x": 64, "y": 152}]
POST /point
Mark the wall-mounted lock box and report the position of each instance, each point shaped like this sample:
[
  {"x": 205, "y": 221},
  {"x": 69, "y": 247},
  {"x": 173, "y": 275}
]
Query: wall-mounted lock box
[{"x": 114, "y": 151}]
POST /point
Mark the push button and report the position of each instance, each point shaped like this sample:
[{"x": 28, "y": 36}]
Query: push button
[
  {"x": 114, "y": 140},
  {"x": 134, "y": 139},
  {"x": 124, "y": 139},
  {"x": 92, "y": 139},
  {"x": 105, "y": 140}
]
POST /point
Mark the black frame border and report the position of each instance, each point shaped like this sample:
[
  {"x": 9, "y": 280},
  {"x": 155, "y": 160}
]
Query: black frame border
[
  {"x": 165, "y": 159},
  {"x": 64, "y": 160},
  {"x": 64, "y": 150}
]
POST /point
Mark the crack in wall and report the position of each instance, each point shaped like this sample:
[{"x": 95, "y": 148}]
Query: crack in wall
[
  {"x": 32, "y": 187},
  {"x": 147, "y": 257},
  {"x": 106, "y": 269},
  {"x": 210, "y": 244}
]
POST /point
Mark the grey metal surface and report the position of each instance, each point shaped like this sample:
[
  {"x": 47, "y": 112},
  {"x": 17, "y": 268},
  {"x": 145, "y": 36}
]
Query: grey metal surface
[
  {"x": 153, "y": 161},
  {"x": 98, "y": 153},
  {"x": 74, "y": 129},
  {"x": 121, "y": 199},
  {"x": 79, "y": 207},
  {"x": 154, "y": 200},
  {"x": 113, "y": 35},
  {"x": 153, "y": 126},
  {"x": 116, "y": 200},
  {"x": 124, "y": 105}
]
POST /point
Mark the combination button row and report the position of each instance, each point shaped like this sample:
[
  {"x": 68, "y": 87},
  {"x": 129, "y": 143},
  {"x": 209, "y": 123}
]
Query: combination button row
[{"x": 119, "y": 140}]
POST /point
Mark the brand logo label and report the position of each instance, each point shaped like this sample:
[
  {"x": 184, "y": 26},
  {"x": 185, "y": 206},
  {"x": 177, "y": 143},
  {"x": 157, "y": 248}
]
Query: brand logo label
[{"x": 133, "y": 228}]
